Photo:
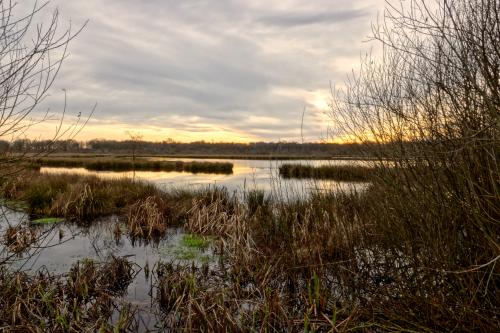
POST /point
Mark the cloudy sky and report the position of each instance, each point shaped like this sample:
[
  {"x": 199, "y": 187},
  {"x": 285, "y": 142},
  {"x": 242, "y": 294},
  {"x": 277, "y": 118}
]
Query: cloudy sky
[{"x": 222, "y": 70}]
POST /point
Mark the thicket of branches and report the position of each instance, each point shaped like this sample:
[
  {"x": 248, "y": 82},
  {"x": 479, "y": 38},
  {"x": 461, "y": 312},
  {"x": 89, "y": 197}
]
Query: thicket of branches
[
  {"x": 31, "y": 55},
  {"x": 434, "y": 94}
]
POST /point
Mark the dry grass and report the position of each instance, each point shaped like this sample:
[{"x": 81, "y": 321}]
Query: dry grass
[
  {"x": 306, "y": 265},
  {"x": 212, "y": 213},
  {"x": 75, "y": 197},
  {"x": 83, "y": 302},
  {"x": 146, "y": 219},
  {"x": 309, "y": 265},
  {"x": 19, "y": 238}
]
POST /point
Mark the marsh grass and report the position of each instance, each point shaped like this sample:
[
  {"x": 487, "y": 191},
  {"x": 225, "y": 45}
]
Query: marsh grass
[
  {"x": 346, "y": 173},
  {"x": 74, "y": 197},
  {"x": 127, "y": 164},
  {"x": 146, "y": 218},
  {"x": 82, "y": 302},
  {"x": 308, "y": 265},
  {"x": 331, "y": 262},
  {"x": 88, "y": 278}
]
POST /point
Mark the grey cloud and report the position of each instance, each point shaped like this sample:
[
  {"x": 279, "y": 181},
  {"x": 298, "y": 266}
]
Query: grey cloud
[
  {"x": 161, "y": 63},
  {"x": 294, "y": 19}
]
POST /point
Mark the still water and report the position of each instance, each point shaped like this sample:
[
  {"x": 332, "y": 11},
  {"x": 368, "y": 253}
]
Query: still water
[
  {"x": 60, "y": 246},
  {"x": 247, "y": 175}
]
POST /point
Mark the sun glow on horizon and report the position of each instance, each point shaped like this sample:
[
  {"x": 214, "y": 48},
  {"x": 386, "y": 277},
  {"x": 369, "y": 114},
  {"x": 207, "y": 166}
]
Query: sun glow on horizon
[{"x": 118, "y": 131}]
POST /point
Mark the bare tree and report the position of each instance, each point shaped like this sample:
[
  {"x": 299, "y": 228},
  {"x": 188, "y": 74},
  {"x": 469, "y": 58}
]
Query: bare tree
[
  {"x": 430, "y": 105},
  {"x": 31, "y": 55},
  {"x": 135, "y": 139}
]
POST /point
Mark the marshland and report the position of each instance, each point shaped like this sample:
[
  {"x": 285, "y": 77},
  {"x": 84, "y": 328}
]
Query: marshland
[{"x": 391, "y": 224}]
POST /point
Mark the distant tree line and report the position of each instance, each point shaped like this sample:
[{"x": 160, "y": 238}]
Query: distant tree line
[
  {"x": 38, "y": 146},
  {"x": 200, "y": 148}
]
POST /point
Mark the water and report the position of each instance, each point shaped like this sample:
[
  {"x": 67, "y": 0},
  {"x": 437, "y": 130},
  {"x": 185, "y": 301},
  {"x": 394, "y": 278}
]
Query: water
[
  {"x": 247, "y": 174},
  {"x": 60, "y": 246}
]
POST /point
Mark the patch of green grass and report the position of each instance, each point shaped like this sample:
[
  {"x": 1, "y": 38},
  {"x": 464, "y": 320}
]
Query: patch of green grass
[
  {"x": 47, "y": 220},
  {"x": 183, "y": 253},
  {"x": 190, "y": 247},
  {"x": 14, "y": 204},
  {"x": 195, "y": 241}
]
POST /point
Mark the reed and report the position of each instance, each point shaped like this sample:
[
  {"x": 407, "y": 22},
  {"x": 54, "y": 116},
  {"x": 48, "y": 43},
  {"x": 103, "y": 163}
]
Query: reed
[
  {"x": 346, "y": 173},
  {"x": 146, "y": 219},
  {"x": 127, "y": 164},
  {"x": 302, "y": 265},
  {"x": 307, "y": 265},
  {"x": 74, "y": 197},
  {"x": 83, "y": 302}
]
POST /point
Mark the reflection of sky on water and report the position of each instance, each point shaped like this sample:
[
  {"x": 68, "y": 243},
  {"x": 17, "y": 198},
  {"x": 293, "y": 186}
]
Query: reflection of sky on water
[
  {"x": 247, "y": 174},
  {"x": 59, "y": 246}
]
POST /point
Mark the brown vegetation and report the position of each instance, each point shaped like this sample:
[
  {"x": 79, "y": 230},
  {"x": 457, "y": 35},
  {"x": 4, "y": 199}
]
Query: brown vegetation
[
  {"x": 83, "y": 302},
  {"x": 19, "y": 238},
  {"x": 345, "y": 173},
  {"x": 305, "y": 264},
  {"x": 418, "y": 250},
  {"x": 126, "y": 164}
]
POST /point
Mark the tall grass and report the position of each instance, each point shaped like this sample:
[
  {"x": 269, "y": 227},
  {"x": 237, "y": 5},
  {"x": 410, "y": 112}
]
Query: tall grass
[
  {"x": 82, "y": 302},
  {"x": 334, "y": 261},
  {"x": 73, "y": 196},
  {"x": 309, "y": 265},
  {"x": 123, "y": 164},
  {"x": 347, "y": 173}
]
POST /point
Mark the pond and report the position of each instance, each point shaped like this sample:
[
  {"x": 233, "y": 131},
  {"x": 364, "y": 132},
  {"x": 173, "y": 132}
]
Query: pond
[
  {"x": 247, "y": 175},
  {"x": 60, "y": 246}
]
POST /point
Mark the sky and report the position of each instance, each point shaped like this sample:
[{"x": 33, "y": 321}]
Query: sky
[{"x": 213, "y": 70}]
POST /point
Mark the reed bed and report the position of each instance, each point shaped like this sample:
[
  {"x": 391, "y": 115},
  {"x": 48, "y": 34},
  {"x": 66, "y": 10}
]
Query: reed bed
[
  {"x": 346, "y": 173},
  {"x": 74, "y": 197},
  {"x": 146, "y": 218},
  {"x": 333, "y": 262},
  {"x": 330, "y": 263},
  {"x": 127, "y": 164}
]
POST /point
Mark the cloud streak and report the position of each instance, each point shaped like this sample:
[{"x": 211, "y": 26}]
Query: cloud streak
[{"x": 291, "y": 19}]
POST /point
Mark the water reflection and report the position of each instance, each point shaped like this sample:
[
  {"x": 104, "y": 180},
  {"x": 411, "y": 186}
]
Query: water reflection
[
  {"x": 59, "y": 246},
  {"x": 247, "y": 174}
]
